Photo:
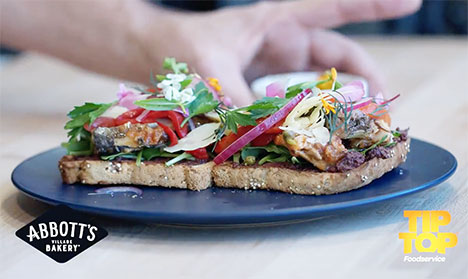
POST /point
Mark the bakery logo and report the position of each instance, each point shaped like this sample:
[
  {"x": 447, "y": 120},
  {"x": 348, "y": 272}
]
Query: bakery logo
[
  {"x": 429, "y": 240},
  {"x": 61, "y": 233}
]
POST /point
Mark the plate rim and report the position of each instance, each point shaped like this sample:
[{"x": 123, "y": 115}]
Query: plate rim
[{"x": 301, "y": 212}]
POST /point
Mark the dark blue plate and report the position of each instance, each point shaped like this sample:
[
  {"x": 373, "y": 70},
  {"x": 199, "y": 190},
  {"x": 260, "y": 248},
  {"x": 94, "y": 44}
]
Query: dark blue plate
[{"x": 427, "y": 165}]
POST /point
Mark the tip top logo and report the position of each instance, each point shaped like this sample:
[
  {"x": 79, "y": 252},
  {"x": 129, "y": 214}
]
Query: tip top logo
[{"x": 430, "y": 240}]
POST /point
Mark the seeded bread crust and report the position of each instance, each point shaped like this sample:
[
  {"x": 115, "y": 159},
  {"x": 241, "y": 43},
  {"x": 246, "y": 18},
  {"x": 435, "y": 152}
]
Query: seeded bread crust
[
  {"x": 307, "y": 182},
  {"x": 199, "y": 176},
  {"x": 187, "y": 175}
]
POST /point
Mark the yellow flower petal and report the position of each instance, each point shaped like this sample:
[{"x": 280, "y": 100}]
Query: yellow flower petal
[
  {"x": 213, "y": 82},
  {"x": 334, "y": 74}
]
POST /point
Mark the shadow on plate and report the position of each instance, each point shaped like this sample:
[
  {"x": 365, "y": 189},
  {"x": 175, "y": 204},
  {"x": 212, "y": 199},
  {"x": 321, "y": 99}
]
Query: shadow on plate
[{"x": 360, "y": 218}]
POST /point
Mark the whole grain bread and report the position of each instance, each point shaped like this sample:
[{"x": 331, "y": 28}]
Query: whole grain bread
[
  {"x": 199, "y": 176},
  {"x": 186, "y": 175},
  {"x": 307, "y": 182}
]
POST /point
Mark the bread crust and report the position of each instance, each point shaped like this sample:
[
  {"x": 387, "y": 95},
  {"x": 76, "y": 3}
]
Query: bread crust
[
  {"x": 199, "y": 176},
  {"x": 307, "y": 182},
  {"x": 187, "y": 175}
]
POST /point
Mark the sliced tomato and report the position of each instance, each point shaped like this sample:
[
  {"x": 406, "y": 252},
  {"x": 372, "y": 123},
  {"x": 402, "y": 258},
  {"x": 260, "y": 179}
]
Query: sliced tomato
[
  {"x": 172, "y": 136},
  {"x": 199, "y": 153},
  {"x": 100, "y": 122},
  {"x": 263, "y": 140},
  {"x": 229, "y": 139}
]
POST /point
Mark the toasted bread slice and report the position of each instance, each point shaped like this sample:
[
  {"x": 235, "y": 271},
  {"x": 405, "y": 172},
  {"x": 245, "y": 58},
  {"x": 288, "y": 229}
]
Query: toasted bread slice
[
  {"x": 306, "y": 181},
  {"x": 198, "y": 176},
  {"x": 186, "y": 175}
]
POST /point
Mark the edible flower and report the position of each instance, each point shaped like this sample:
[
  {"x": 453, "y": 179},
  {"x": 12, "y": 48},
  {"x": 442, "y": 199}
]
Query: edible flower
[
  {"x": 331, "y": 77},
  {"x": 213, "y": 82},
  {"x": 171, "y": 88},
  {"x": 327, "y": 106}
]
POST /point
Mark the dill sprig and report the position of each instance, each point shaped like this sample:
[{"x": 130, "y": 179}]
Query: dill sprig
[{"x": 332, "y": 119}]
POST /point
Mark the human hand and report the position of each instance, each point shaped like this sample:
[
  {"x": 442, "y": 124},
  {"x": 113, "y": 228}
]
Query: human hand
[{"x": 250, "y": 41}]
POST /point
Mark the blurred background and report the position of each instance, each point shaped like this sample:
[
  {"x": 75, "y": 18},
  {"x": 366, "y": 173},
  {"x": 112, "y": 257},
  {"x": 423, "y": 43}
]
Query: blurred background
[
  {"x": 436, "y": 17},
  {"x": 438, "y": 30}
]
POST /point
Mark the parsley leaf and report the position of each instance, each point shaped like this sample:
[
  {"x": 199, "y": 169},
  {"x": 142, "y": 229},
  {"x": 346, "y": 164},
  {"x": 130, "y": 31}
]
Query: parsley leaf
[
  {"x": 233, "y": 118},
  {"x": 203, "y": 102},
  {"x": 79, "y": 142},
  {"x": 265, "y": 106}
]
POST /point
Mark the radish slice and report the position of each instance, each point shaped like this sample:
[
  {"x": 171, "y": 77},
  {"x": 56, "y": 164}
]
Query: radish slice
[
  {"x": 275, "y": 90},
  {"x": 259, "y": 129}
]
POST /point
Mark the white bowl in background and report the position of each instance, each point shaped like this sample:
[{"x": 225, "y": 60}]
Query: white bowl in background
[{"x": 259, "y": 85}]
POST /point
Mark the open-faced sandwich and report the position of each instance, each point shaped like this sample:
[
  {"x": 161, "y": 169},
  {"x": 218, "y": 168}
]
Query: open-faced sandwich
[{"x": 317, "y": 137}]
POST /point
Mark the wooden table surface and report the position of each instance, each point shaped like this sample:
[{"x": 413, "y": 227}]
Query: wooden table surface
[{"x": 431, "y": 74}]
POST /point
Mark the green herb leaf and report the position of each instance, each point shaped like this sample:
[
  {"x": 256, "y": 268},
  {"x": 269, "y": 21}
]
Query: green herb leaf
[
  {"x": 265, "y": 106},
  {"x": 185, "y": 82},
  {"x": 84, "y": 109},
  {"x": 96, "y": 113},
  {"x": 273, "y": 158},
  {"x": 183, "y": 156},
  {"x": 170, "y": 63},
  {"x": 160, "y": 77},
  {"x": 158, "y": 104},
  {"x": 150, "y": 153},
  {"x": 79, "y": 142},
  {"x": 203, "y": 102},
  {"x": 138, "y": 158},
  {"x": 119, "y": 155},
  {"x": 234, "y": 118},
  {"x": 293, "y": 90},
  {"x": 374, "y": 145}
]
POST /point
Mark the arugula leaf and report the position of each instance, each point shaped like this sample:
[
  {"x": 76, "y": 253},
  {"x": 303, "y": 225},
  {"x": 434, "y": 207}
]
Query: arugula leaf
[
  {"x": 158, "y": 104},
  {"x": 150, "y": 153},
  {"x": 273, "y": 158},
  {"x": 170, "y": 63},
  {"x": 251, "y": 151},
  {"x": 119, "y": 155}
]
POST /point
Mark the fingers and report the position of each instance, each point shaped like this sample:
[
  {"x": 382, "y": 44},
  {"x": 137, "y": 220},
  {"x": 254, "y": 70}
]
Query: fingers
[
  {"x": 231, "y": 79},
  {"x": 330, "y": 49},
  {"x": 332, "y": 13}
]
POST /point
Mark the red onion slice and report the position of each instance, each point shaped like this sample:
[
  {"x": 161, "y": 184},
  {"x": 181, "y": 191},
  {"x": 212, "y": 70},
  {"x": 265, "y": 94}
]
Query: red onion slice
[{"x": 259, "y": 129}]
